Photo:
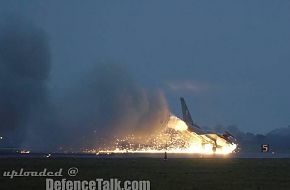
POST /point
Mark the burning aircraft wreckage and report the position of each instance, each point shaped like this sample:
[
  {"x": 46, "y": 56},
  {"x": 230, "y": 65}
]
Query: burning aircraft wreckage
[{"x": 176, "y": 136}]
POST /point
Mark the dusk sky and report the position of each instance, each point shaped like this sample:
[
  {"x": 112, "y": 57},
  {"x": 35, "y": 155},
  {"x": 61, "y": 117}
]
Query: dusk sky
[{"x": 229, "y": 59}]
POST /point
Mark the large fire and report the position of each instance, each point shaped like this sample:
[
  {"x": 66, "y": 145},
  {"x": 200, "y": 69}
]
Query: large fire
[{"x": 174, "y": 137}]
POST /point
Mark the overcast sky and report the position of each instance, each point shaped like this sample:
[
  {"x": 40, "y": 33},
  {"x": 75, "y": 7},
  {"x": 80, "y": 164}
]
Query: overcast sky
[{"x": 229, "y": 59}]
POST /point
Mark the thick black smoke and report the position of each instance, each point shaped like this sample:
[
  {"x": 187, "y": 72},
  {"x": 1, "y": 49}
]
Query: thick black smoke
[{"x": 24, "y": 70}]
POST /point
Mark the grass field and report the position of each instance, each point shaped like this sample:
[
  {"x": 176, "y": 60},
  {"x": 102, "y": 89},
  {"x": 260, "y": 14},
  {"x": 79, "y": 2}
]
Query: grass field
[{"x": 175, "y": 174}]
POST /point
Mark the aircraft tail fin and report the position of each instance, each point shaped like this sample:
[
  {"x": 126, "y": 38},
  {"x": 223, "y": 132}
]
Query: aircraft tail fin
[{"x": 186, "y": 114}]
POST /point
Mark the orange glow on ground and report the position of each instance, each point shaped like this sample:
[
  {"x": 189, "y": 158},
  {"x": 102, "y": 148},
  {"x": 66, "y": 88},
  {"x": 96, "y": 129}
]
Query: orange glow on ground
[{"x": 173, "y": 138}]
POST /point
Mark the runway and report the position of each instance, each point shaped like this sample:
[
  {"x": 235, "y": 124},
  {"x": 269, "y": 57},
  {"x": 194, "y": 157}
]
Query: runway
[{"x": 142, "y": 155}]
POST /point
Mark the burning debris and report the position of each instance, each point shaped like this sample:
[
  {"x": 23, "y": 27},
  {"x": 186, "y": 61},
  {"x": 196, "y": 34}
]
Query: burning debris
[{"x": 174, "y": 137}]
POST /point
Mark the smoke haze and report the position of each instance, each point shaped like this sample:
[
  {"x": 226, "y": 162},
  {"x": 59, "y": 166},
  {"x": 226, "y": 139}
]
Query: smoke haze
[
  {"x": 108, "y": 103},
  {"x": 105, "y": 103},
  {"x": 24, "y": 70}
]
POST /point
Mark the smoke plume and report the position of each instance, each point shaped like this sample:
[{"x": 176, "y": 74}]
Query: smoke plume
[
  {"x": 108, "y": 103},
  {"x": 24, "y": 70}
]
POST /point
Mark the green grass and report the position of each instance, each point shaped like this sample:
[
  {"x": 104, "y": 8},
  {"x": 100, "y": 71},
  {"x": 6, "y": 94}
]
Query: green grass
[{"x": 179, "y": 174}]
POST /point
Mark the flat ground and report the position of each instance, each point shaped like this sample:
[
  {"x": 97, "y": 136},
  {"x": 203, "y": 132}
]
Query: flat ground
[{"x": 175, "y": 173}]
